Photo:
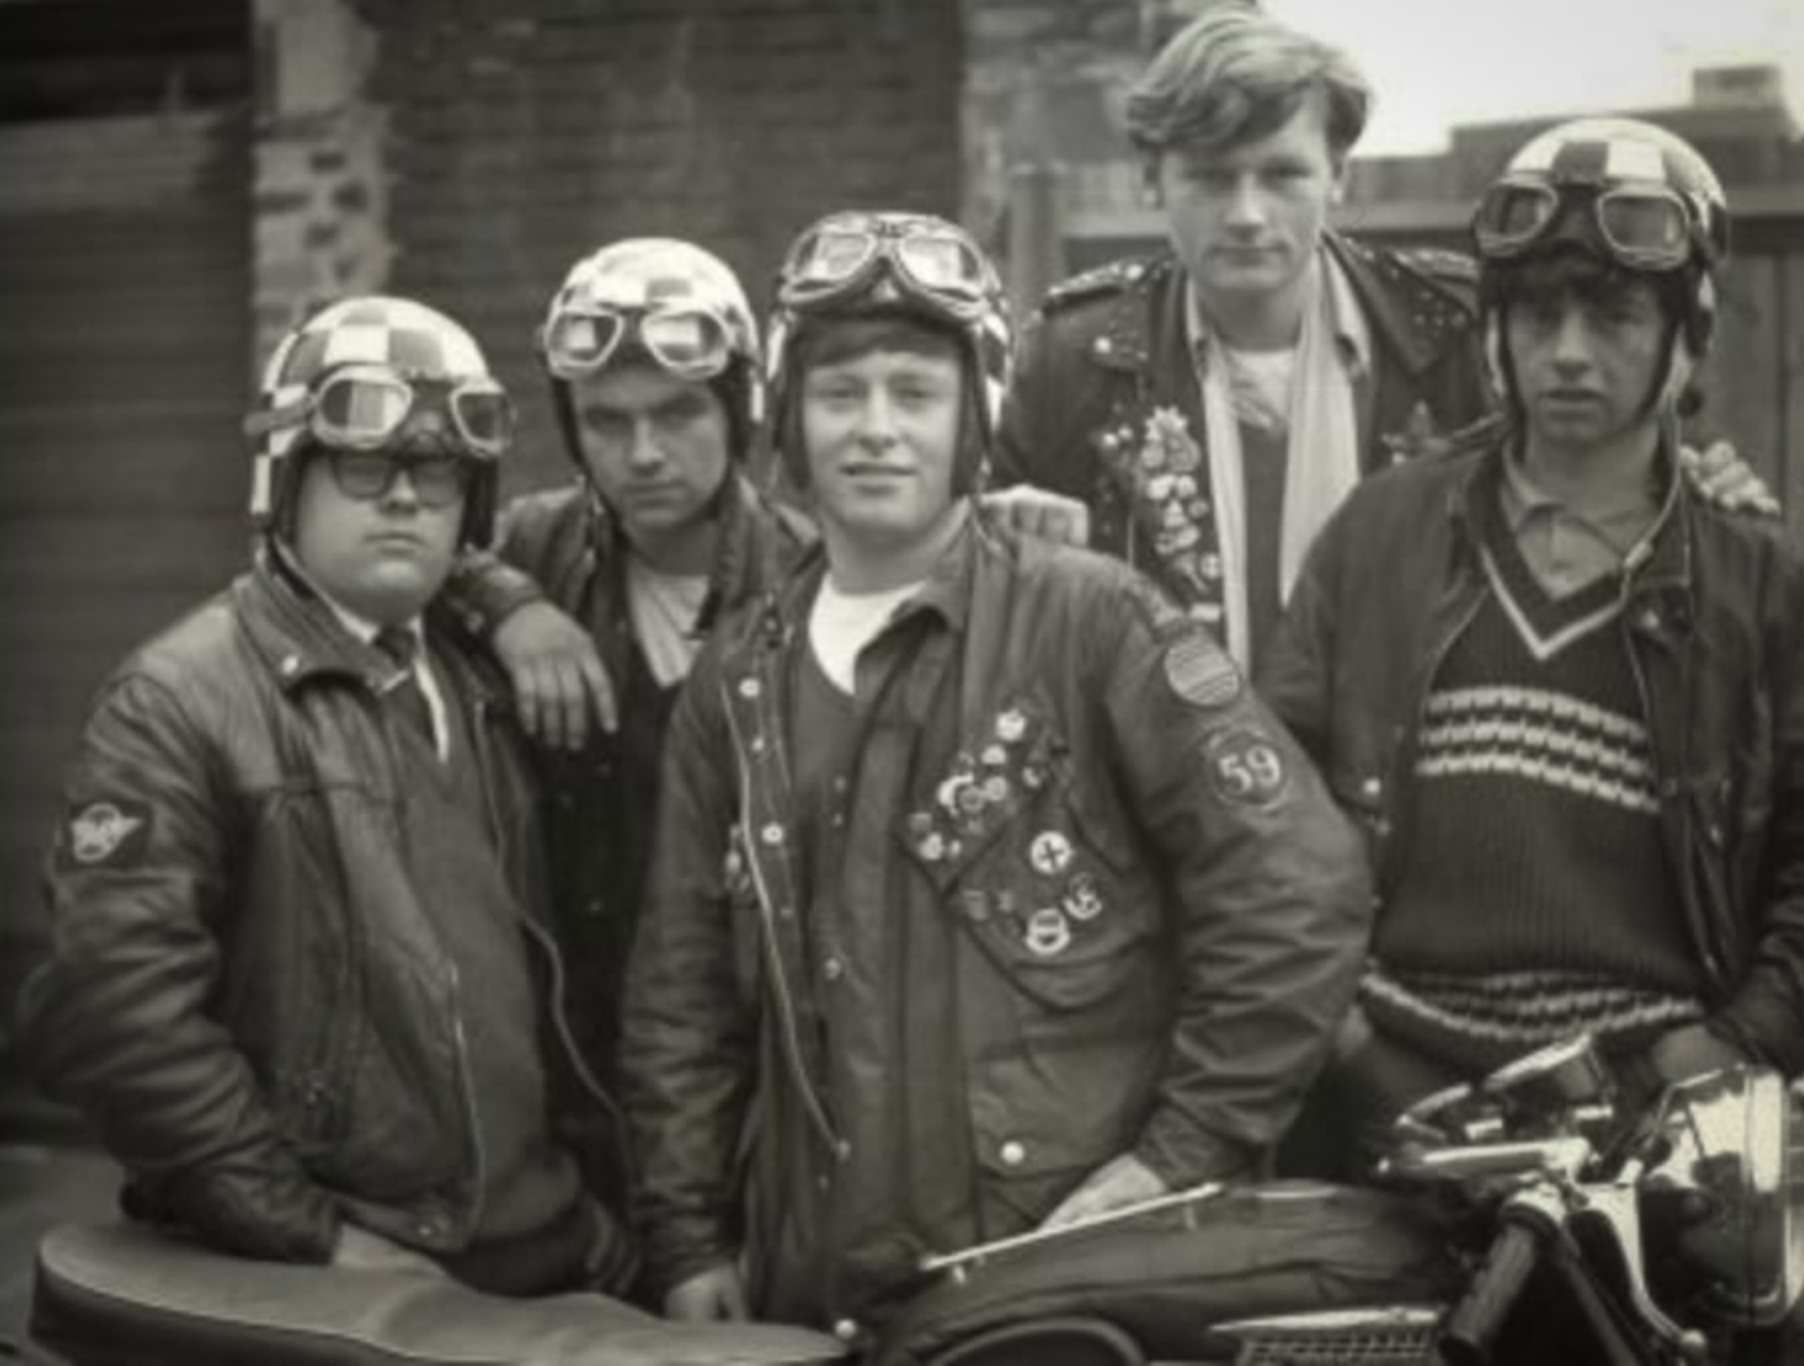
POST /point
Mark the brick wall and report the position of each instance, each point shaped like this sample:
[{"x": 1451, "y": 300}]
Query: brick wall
[{"x": 517, "y": 141}]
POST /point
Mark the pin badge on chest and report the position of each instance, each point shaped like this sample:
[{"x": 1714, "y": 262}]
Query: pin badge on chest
[
  {"x": 1048, "y": 932},
  {"x": 1050, "y": 853}
]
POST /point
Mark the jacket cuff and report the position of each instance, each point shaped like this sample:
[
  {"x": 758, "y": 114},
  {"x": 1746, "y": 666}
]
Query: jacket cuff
[
  {"x": 484, "y": 591},
  {"x": 1181, "y": 1155},
  {"x": 670, "y": 1263},
  {"x": 272, "y": 1216}
]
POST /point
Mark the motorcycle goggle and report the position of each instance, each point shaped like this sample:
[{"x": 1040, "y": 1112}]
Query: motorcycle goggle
[
  {"x": 937, "y": 267},
  {"x": 438, "y": 480},
  {"x": 689, "y": 343},
  {"x": 1641, "y": 228},
  {"x": 365, "y": 407}
]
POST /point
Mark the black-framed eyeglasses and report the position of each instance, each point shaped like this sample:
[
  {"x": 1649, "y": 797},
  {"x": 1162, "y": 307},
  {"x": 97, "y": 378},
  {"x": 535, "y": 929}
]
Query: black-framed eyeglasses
[{"x": 438, "y": 480}]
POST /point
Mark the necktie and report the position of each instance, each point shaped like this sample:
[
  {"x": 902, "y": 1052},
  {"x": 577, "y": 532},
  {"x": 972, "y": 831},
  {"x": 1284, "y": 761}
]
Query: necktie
[{"x": 402, "y": 646}]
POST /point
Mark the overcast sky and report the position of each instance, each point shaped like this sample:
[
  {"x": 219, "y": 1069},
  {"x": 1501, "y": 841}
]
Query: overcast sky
[{"x": 1435, "y": 63}]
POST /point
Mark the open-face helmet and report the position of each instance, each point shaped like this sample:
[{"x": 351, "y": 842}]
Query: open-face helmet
[
  {"x": 351, "y": 377},
  {"x": 857, "y": 264},
  {"x": 1628, "y": 193},
  {"x": 662, "y": 301}
]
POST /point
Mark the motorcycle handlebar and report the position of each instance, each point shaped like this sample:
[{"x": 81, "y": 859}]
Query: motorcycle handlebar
[{"x": 1471, "y": 1329}]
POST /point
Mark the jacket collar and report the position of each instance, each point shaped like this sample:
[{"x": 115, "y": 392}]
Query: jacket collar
[
  {"x": 1404, "y": 314},
  {"x": 746, "y": 553},
  {"x": 1407, "y": 313},
  {"x": 303, "y": 640},
  {"x": 946, "y": 592},
  {"x": 1661, "y": 561}
]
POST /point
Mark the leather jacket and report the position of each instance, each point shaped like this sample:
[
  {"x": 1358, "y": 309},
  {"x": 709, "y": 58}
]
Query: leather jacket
[
  {"x": 557, "y": 545},
  {"x": 244, "y": 991},
  {"x": 1714, "y": 624},
  {"x": 1137, "y": 918},
  {"x": 1105, "y": 366}
]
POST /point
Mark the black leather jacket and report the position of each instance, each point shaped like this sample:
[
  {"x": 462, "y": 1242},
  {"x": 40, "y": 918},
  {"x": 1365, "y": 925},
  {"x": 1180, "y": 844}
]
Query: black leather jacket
[
  {"x": 244, "y": 992},
  {"x": 1715, "y": 629},
  {"x": 557, "y": 545}
]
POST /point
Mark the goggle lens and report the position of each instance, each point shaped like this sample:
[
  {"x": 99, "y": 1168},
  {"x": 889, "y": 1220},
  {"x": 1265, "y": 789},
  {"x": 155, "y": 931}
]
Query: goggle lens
[
  {"x": 937, "y": 267},
  {"x": 581, "y": 342},
  {"x": 484, "y": 417},
  {"x": 1651, "y": 224},
  {"x": 943, "y": 264},
  {"x": 1644, "y": 229},
  {"x": 1515, "y": 214},
  {"x": 689, "y": 343},
  {"x": 361, "y": 410}
]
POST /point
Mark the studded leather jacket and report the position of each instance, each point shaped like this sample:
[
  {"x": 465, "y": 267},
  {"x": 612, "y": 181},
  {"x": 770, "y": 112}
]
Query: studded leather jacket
[
  {"x": 1087, "y": 898},
  {"x": 1106, "y": 386},
  {"x": 1714, "y": 625},
  {"x": 244, "y": 989}
]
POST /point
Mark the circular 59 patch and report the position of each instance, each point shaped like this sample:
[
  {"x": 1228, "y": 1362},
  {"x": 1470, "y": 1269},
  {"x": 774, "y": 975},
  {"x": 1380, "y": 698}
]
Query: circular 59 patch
[{"x": 1245, "y": 768}]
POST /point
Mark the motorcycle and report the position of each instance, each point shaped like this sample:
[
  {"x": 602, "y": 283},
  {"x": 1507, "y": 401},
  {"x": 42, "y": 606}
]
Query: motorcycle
[{"x": 1539, "y": 1215}]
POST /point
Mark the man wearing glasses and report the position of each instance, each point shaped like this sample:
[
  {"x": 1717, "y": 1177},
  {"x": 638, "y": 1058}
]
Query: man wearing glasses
[
  {"x": 298, "y": 887},
  {"x": 1564, "y": 695},
  {"x": 985, "y": 894},
  {"x": 602, "y": 590}
]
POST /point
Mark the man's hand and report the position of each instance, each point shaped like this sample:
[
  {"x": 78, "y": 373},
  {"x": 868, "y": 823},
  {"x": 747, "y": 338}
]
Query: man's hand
[
  {"x": 360, "y": 1250},
  {"x": 557, "y": 675},
  {"x": 1122, "y": 1180},
  {"x": 1039, "y": 512},
  {"x": 1723, "y": 479},
  {"x": 1690, "y": 1051},
  {"x": 708, "y": 1297}
]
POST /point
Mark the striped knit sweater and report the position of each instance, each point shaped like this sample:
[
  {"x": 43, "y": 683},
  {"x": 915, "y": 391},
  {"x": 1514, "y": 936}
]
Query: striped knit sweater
[{"x": 1534, "y": 900}]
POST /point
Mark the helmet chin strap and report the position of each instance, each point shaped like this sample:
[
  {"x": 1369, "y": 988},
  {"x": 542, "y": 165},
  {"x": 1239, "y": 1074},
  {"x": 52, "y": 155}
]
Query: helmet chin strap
[{"x": 1664, "y": 394}]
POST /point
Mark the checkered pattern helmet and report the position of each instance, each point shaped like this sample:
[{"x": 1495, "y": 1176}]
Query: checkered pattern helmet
[
  {"x": 872, "y": 265},
  {"x": 407, "y": 338},
  {"x": 1624, "y": 190},
  {"x": 642, "y": 274}
]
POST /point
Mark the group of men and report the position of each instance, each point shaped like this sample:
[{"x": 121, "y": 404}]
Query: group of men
[{"x": 887, "y": 880}]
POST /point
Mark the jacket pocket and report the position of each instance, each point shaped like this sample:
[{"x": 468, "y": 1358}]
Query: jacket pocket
[{"x": 1047, "y": 887}]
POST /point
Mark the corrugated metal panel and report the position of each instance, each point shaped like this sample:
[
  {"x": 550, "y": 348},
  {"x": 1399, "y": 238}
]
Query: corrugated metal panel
[{"x": 124, "y": 288}]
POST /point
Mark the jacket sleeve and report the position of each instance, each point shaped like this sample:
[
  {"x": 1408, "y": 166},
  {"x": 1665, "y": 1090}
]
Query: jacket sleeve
[
  {"x": 1041, "y": 440},
  {"x": 1295, "y": 674},
  {"x": 1271, "y": 899},
  {"x": 119, "y": 1018},
  {"x": 687, "y": 1037},
  {"x": 489, "y": 585},
  {"x": 1766, "y": 1015}
]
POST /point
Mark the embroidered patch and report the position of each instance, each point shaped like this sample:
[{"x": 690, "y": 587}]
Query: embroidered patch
[
  {"x": 1201, "y": 672},
  {"x": 106, "y": 834},
  {"x": 1245, "y": 768}
]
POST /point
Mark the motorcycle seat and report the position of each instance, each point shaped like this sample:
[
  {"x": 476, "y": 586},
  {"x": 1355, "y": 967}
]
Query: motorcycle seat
[{"x": 122, "y": 1294}]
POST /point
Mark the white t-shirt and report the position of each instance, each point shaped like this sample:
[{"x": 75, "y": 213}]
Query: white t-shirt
[
  {"x": 664, "y": 608},
  {"x": 1261, "y": 383},
  {"x": 842, "y": 624}
]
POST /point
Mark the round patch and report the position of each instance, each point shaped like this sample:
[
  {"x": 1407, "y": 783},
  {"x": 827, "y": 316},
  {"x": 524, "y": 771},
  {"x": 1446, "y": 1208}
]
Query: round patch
[
  {"x": 1201, "y": 672},
  {"x": 1245, "y": 768}
]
